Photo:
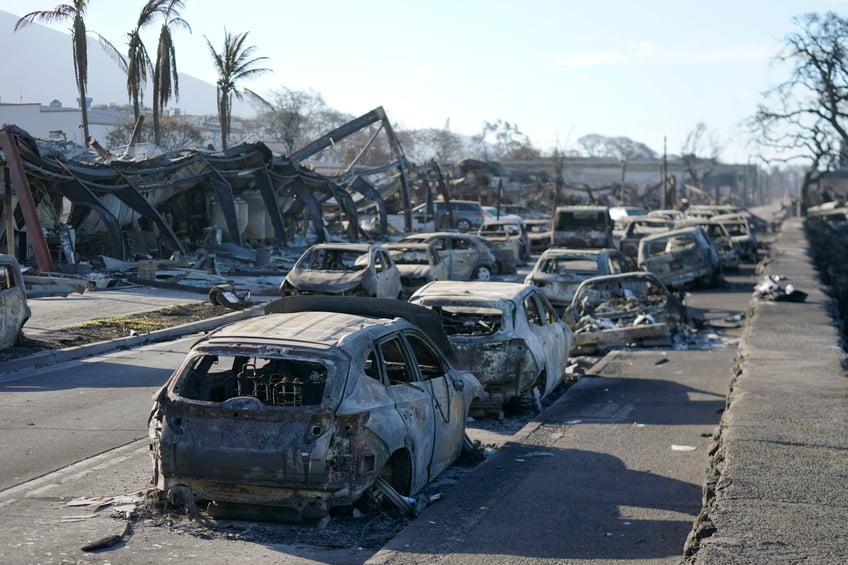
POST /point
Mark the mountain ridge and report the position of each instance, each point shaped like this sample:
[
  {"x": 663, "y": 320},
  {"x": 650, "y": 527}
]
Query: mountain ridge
[{"x": 39, "y": 69}]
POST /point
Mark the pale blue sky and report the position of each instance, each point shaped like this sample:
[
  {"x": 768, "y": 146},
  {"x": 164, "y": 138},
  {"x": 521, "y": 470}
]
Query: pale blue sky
[{"x": 557, "y": 69}]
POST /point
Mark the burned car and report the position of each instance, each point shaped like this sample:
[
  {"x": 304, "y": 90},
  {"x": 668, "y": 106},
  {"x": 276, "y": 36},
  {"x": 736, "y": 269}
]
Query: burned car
[
  {"x": 638, "y": 227},
  {"x": 559, "y": 271},
  {"x": 681, "y": 258},
  {"x": 418, "y": 263},
  {"x": 14, "y": 308},
  {"x": 508, "y": 334},
  {"x": 743, "y": 236},
  {"x": 623, "y": 310},
  {"x": 349, "y": 269},
  {"x": 319, "y": 402},
  {"x": 507, "y": 233},
  {"x": 728, "y": 251},
  {"x": 538, "y": 233},
  {"x": 466, "y": 256}
]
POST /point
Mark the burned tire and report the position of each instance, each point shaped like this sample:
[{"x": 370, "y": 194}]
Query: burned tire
[
  {"x": 482, "y": 273},
  {"x": 385, "y": 491}
]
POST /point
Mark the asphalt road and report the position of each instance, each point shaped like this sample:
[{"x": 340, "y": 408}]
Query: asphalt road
[{"x": 623, "y": 454}]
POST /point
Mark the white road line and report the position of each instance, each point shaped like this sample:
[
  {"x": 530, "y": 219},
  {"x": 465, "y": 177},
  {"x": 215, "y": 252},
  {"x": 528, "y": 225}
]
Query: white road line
[{"x": 39, "y": 486}]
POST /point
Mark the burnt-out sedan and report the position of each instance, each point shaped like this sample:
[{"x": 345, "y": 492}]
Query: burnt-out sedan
[
  {"x": 14, "y": 309},
  {"x": 508, "y": 334},
  {"x": 311, "y": 406},
  {"x": 559, "y": 271},
  {"x": 623, "y": 310},
  {"x": 418, "y": 263},
  {"x": 344, "y": 269}
]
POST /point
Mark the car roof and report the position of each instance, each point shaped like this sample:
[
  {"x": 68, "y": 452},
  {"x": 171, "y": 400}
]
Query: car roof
[
  {"x": 365, "y": 307},
  {"x": 573, "y": 252},
  {"x": 362, "y": 247},
  {"x": 473, "y": 291},
  {"x": 319, "y": 330},
  {"x": 672, "y": 233}
]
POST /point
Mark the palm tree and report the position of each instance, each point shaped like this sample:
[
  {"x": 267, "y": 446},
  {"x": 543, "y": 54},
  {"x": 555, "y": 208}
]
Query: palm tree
[
  {"x": 165, "y": 80},
  {"x": 75, "y": 13},
  {"x": 138, "y": 61},
  {"x": 234, "y": 65}
]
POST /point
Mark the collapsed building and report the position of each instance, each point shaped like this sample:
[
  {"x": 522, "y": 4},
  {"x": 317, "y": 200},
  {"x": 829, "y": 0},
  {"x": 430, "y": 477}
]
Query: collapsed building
[{"x": 59, "y": 211}]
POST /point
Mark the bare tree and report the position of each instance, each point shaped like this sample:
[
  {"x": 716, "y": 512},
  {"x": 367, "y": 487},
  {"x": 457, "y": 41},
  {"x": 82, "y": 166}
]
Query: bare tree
[
  {"x": 501, "y": 140},
  {"x": 700, "y": 154},
  {"x": 296, "y": 117},
  {"x": 619, "y": 147},
  {"x": 806, "y": 116}
]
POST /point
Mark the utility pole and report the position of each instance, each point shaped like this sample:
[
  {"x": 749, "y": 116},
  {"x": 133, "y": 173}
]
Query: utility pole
[{"x": 664, "y": 194}]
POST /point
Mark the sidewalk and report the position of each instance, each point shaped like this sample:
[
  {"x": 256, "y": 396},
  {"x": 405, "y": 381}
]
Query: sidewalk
[{"x": 777, "y": 489}]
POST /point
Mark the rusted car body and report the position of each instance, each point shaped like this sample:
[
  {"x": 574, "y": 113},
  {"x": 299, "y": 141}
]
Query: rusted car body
[
  {"x": 507, "y": 233},
  {"x": 418, "y": 263},
  {"x": 559, "y": 271},
  {"x": 636, "y": 228},
  {"x": 623, "y": 310},
  {"x": 538, "y": 234},
  {"x": 681, "y": 258},
  {"x": 582, "y": 226},
  {"x": 508, "y": 334},
  {"x": 467, "y": 256},
  {"x": 14, "y": 308},
  {"x": 728, "y": 251},
  {"x": 348, "y": 269},
  {"x": 742, "y": 235},
  {"x": 306, "y": 408}
]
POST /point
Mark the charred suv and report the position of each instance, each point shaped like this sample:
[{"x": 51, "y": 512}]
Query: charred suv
[
  {"x": 348, "y": 269},
  {"x": 304, "y": 409},
  {"x": 507, "y": 333}
]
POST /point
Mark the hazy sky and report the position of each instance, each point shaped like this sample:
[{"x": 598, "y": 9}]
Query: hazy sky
[{"x": 558, "y": 69}]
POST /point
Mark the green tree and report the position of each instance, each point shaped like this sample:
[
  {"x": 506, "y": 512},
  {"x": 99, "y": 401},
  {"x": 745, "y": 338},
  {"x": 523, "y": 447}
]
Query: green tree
[
  {"x": 165, "y": 79},
  {"x": 234, "y": 65},
  {"x": 75, "y": 14}
]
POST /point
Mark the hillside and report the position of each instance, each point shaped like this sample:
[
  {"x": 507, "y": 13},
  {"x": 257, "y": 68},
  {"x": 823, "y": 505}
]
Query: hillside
[{"x": 37, "y": 66}]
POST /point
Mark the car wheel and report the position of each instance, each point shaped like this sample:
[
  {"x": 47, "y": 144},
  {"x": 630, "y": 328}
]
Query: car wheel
[
  {"x": 463, "y": 225},
  {"x": 388, "y": 492},
  {"x": 482, "y": 273}
]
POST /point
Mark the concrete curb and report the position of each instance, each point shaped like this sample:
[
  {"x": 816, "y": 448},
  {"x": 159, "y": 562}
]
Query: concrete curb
[{"x": 54, "y": 356}]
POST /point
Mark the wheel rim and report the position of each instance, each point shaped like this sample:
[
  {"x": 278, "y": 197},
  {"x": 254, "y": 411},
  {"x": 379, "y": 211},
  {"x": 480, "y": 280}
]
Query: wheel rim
[{"x": 484, "y": 274}]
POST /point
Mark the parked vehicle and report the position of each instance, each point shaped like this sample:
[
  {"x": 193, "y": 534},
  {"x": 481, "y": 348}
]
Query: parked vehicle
[
  {"x": 349, "y": 269},
  {"x": 728, "y": 252},
  {"x": 418, "y": 263},
  {"x": 620, "y": 215},
  {"x": 314, "y": 405},
  {"x": 680, "y": 258},
  {"x": 742, "y": 235},
  {"x": 638, "y": 227},
  {"x": 538, "y": 233},
  {"x": 559, "y": 271},
  {"x": 464, "y": 215},
  {"x": 14, "y": 308},
  {"x": 467, "y": 256},
  {"x": 507, "y": 333},
  {"x": 622, "y": 311},
  {"x": 582, "y": 227},
  {"x": 509, "y": 234}
]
